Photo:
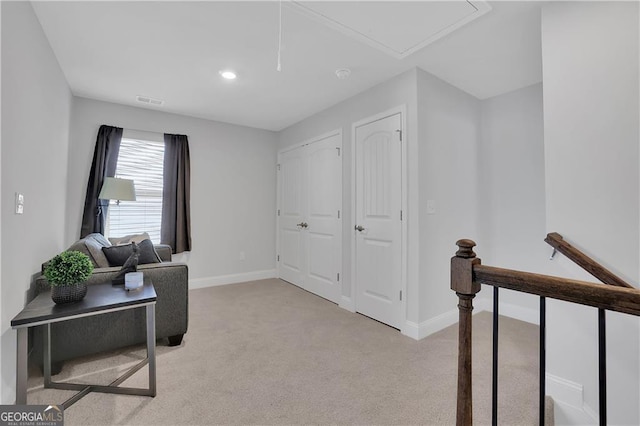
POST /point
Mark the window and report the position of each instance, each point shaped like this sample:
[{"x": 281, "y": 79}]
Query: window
[{"x": 142, "y": 161}]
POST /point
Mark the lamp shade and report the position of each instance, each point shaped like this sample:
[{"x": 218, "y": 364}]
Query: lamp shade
[{"x": 117, "y": 189}]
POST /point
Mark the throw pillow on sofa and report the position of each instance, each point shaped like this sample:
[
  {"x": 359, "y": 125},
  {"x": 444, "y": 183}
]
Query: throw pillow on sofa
[
  {"x": 128, "y": 239},
  {"x": 118, "y": 255},
  {"x": 92, "y": 245}
]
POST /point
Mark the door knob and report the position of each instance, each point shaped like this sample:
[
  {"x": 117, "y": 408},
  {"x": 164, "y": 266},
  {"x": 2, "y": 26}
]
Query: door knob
[
  {"x": 359, "y": 228},
  {"x": 301, "y": 224},
  {"x": 305, "y": 225}
]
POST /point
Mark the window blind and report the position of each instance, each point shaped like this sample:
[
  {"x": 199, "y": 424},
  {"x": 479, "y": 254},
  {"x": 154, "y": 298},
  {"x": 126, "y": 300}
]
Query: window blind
[{"x": 142, "y": 161}]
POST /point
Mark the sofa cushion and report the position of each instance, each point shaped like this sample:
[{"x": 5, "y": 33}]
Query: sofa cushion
[
  {"x": 128, "y": 239},
  {"x": 118, "y": 255},
  {"x": 92, "y": 245}
]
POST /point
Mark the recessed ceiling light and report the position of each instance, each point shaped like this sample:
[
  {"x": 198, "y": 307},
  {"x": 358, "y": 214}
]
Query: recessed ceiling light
[{"x": 228, "y": 75}]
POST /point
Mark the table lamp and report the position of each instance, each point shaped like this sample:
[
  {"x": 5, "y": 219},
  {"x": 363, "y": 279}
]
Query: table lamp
[{"x": 117, "y": 189}]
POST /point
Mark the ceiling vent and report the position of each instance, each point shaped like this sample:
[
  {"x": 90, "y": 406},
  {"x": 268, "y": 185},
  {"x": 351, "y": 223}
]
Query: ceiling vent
[
  {"x": 149, "y": 101},
  {"x": 396, "y": 28}
]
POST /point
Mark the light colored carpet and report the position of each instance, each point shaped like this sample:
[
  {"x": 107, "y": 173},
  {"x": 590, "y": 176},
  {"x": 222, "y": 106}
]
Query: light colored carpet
[{"x": 267, "y": 352}]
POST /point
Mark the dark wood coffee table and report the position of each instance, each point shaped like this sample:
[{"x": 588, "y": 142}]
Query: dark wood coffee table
[{"x": 100, "y": 299}]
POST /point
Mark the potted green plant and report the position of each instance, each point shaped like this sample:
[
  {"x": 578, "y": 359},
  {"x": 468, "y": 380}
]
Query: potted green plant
[{"x": 67, "y": 273}]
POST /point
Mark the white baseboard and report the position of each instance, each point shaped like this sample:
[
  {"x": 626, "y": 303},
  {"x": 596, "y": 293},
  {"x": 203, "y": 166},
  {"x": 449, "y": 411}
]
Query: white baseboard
[
  {"x": 565, "y": 391},
  {"x": 231, "y": 279},
  {"x": 430, "y": 326},
  {"x": 426, "y": 328},
  {"x": 411, "y": 329},
  {"x": 569, "y": 402},
  {"x": 347, "y": 303}
]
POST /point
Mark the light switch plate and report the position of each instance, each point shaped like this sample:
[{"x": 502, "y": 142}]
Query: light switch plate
[{"x": 19, "y": 203}]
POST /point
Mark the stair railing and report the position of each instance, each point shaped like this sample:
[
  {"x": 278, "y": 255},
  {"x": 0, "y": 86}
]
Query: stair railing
[
  {"x": 558, "y": 243},
  {"x": 467, "y": 275}
]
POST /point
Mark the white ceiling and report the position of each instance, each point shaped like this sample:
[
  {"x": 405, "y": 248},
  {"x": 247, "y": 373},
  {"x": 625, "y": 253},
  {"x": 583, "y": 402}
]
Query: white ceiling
[
  {"x": 115, "y": 51},
  {"x": 422, "y": 22}
]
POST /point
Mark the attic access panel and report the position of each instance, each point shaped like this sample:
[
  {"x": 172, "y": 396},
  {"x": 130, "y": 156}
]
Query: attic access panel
[{"x": 398, "y": 28}]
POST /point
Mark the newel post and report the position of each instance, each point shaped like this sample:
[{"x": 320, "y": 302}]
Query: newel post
[{"x": 464, "y": 286}]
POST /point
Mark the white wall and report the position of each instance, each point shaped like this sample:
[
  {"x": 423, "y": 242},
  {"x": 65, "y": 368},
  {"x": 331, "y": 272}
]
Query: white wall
[
  {"x": 591, "y": 117},
  {"x": 400, "y": 90},
  {"x": 511, "y": 192},
  {"x": 442, "y": 136},
  {"x": 233, "y": 187},
  {"x": 35, "y": 132},
  {"x": 448, "y": 129}
]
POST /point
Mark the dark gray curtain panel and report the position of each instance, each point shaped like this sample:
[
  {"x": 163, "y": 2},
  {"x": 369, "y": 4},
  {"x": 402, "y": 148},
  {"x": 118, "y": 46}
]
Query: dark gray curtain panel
[
  {"x": 105, "y": 158},
  {"x": 176, "y": 195}
]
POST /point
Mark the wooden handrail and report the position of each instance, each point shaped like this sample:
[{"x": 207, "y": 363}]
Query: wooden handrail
[
  {"x": 612, "y": 298},
  {"x": 556, "y": 241}
]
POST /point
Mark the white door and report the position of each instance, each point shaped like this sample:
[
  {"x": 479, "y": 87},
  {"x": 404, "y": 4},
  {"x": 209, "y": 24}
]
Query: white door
[
  {"x": 323, "y": 233},
  {"x": 378, "y": 154},
  {"x": 309, "y": 229},
  {"x": 291, "y": 254}
]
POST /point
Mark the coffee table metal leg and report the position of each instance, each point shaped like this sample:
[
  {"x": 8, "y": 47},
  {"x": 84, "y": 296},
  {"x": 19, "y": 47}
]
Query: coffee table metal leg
[
  {"x": 47, "y": 355},
  {"x": 21, "y": 367},
  {"x": 151, "y": 347}
]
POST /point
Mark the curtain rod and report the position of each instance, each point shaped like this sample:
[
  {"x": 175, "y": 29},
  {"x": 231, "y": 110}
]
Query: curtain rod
[
  {"x": 145, "y": 131},
  {"x": 150, "y": 131}
]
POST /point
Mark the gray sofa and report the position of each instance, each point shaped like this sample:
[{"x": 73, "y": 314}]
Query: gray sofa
[{"x": 90, "y": 335}]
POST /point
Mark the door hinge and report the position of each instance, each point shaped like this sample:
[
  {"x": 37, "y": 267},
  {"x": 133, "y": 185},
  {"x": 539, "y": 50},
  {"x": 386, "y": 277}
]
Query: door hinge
[
  {"x": 338, "y": 214},
  {"x": 338, "y": 276},
  {"x": 400, "y": 214},
  {"x": 278, "y": 259},
  {"x": 278, "y": 212},
  {"x": 338, "y": 151},
  {"x": 278, "y": 167},
  {"x": 400, "y": 133},
  {"x": 400, "y": 294}
]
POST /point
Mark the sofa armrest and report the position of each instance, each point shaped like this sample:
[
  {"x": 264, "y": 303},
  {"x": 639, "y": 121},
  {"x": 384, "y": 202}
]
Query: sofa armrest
[{"x": 164, "y": 251}]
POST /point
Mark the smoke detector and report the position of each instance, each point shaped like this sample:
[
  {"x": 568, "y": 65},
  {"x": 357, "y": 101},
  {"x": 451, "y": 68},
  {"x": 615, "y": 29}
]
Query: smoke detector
[{"x": 343, "y": 73}]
